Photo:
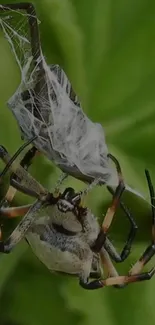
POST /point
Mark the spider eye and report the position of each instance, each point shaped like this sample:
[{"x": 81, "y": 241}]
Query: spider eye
[{"x": 68, "y": 194}]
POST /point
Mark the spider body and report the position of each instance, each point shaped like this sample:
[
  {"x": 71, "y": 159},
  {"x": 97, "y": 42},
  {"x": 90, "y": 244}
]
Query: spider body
[
  {"x": 63, "y": 244},
  {"x": 65, "y": 235}
]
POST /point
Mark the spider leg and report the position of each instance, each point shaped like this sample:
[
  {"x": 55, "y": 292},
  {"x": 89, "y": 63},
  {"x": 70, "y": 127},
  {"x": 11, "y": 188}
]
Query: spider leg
[
  {"x": 8, "y": 198},
  {"x": 27, "y": 185},
  {"x": 12, "y": 190},
  {"x": 111, "y": 210},
  {"x": 14, "y": 211},
  {"x": 97, "y": 284},
  {"x": 127, "y": 247},
  {"x": 14, "y": 185},
  {"x": 124, "y": 279},
  {"x": 28, "y": 158},
  {"x": 102, "y": 239},
  {"x": 7, "y": 245},
  {"x": 109, "y": 267},
  {"x": 135, "y": 274},
  {"x": 115, "y": 280},
  {"x": 15, "y": 181},
  {"x": 150, "y": 250},
  {"x": 85, "y": 271},
  {"x": 84, "y": 277},
  {"x": 4, "y": 155}
]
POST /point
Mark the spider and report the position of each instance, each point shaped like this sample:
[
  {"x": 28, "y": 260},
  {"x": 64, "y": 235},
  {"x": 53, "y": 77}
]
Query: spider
[{"x": 67, "y": 237}]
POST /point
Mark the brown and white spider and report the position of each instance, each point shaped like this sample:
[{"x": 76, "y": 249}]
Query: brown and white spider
[{"x": 65, "y": 235}]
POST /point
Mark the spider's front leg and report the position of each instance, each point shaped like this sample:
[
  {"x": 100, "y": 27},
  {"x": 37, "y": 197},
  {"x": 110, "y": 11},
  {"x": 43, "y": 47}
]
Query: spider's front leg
[
  {"x": 15, "y": 182},
  {"x": 24, "y": 181},
  {"x": 7, "y": 245}
]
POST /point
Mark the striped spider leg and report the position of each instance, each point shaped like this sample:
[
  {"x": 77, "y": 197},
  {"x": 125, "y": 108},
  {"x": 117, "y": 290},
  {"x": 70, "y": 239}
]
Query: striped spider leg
[
  {"x": 102, "y": 237},
  {"x": 135, "y": 273},
  {"x": 23, "y": 181}
]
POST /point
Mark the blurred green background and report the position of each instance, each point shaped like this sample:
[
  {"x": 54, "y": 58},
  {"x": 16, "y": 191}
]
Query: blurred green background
[{"x": 107, "y": 48}]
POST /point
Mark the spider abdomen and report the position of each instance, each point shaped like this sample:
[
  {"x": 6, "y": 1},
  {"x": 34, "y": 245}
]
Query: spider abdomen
[{"x": 60, "y": 252}]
